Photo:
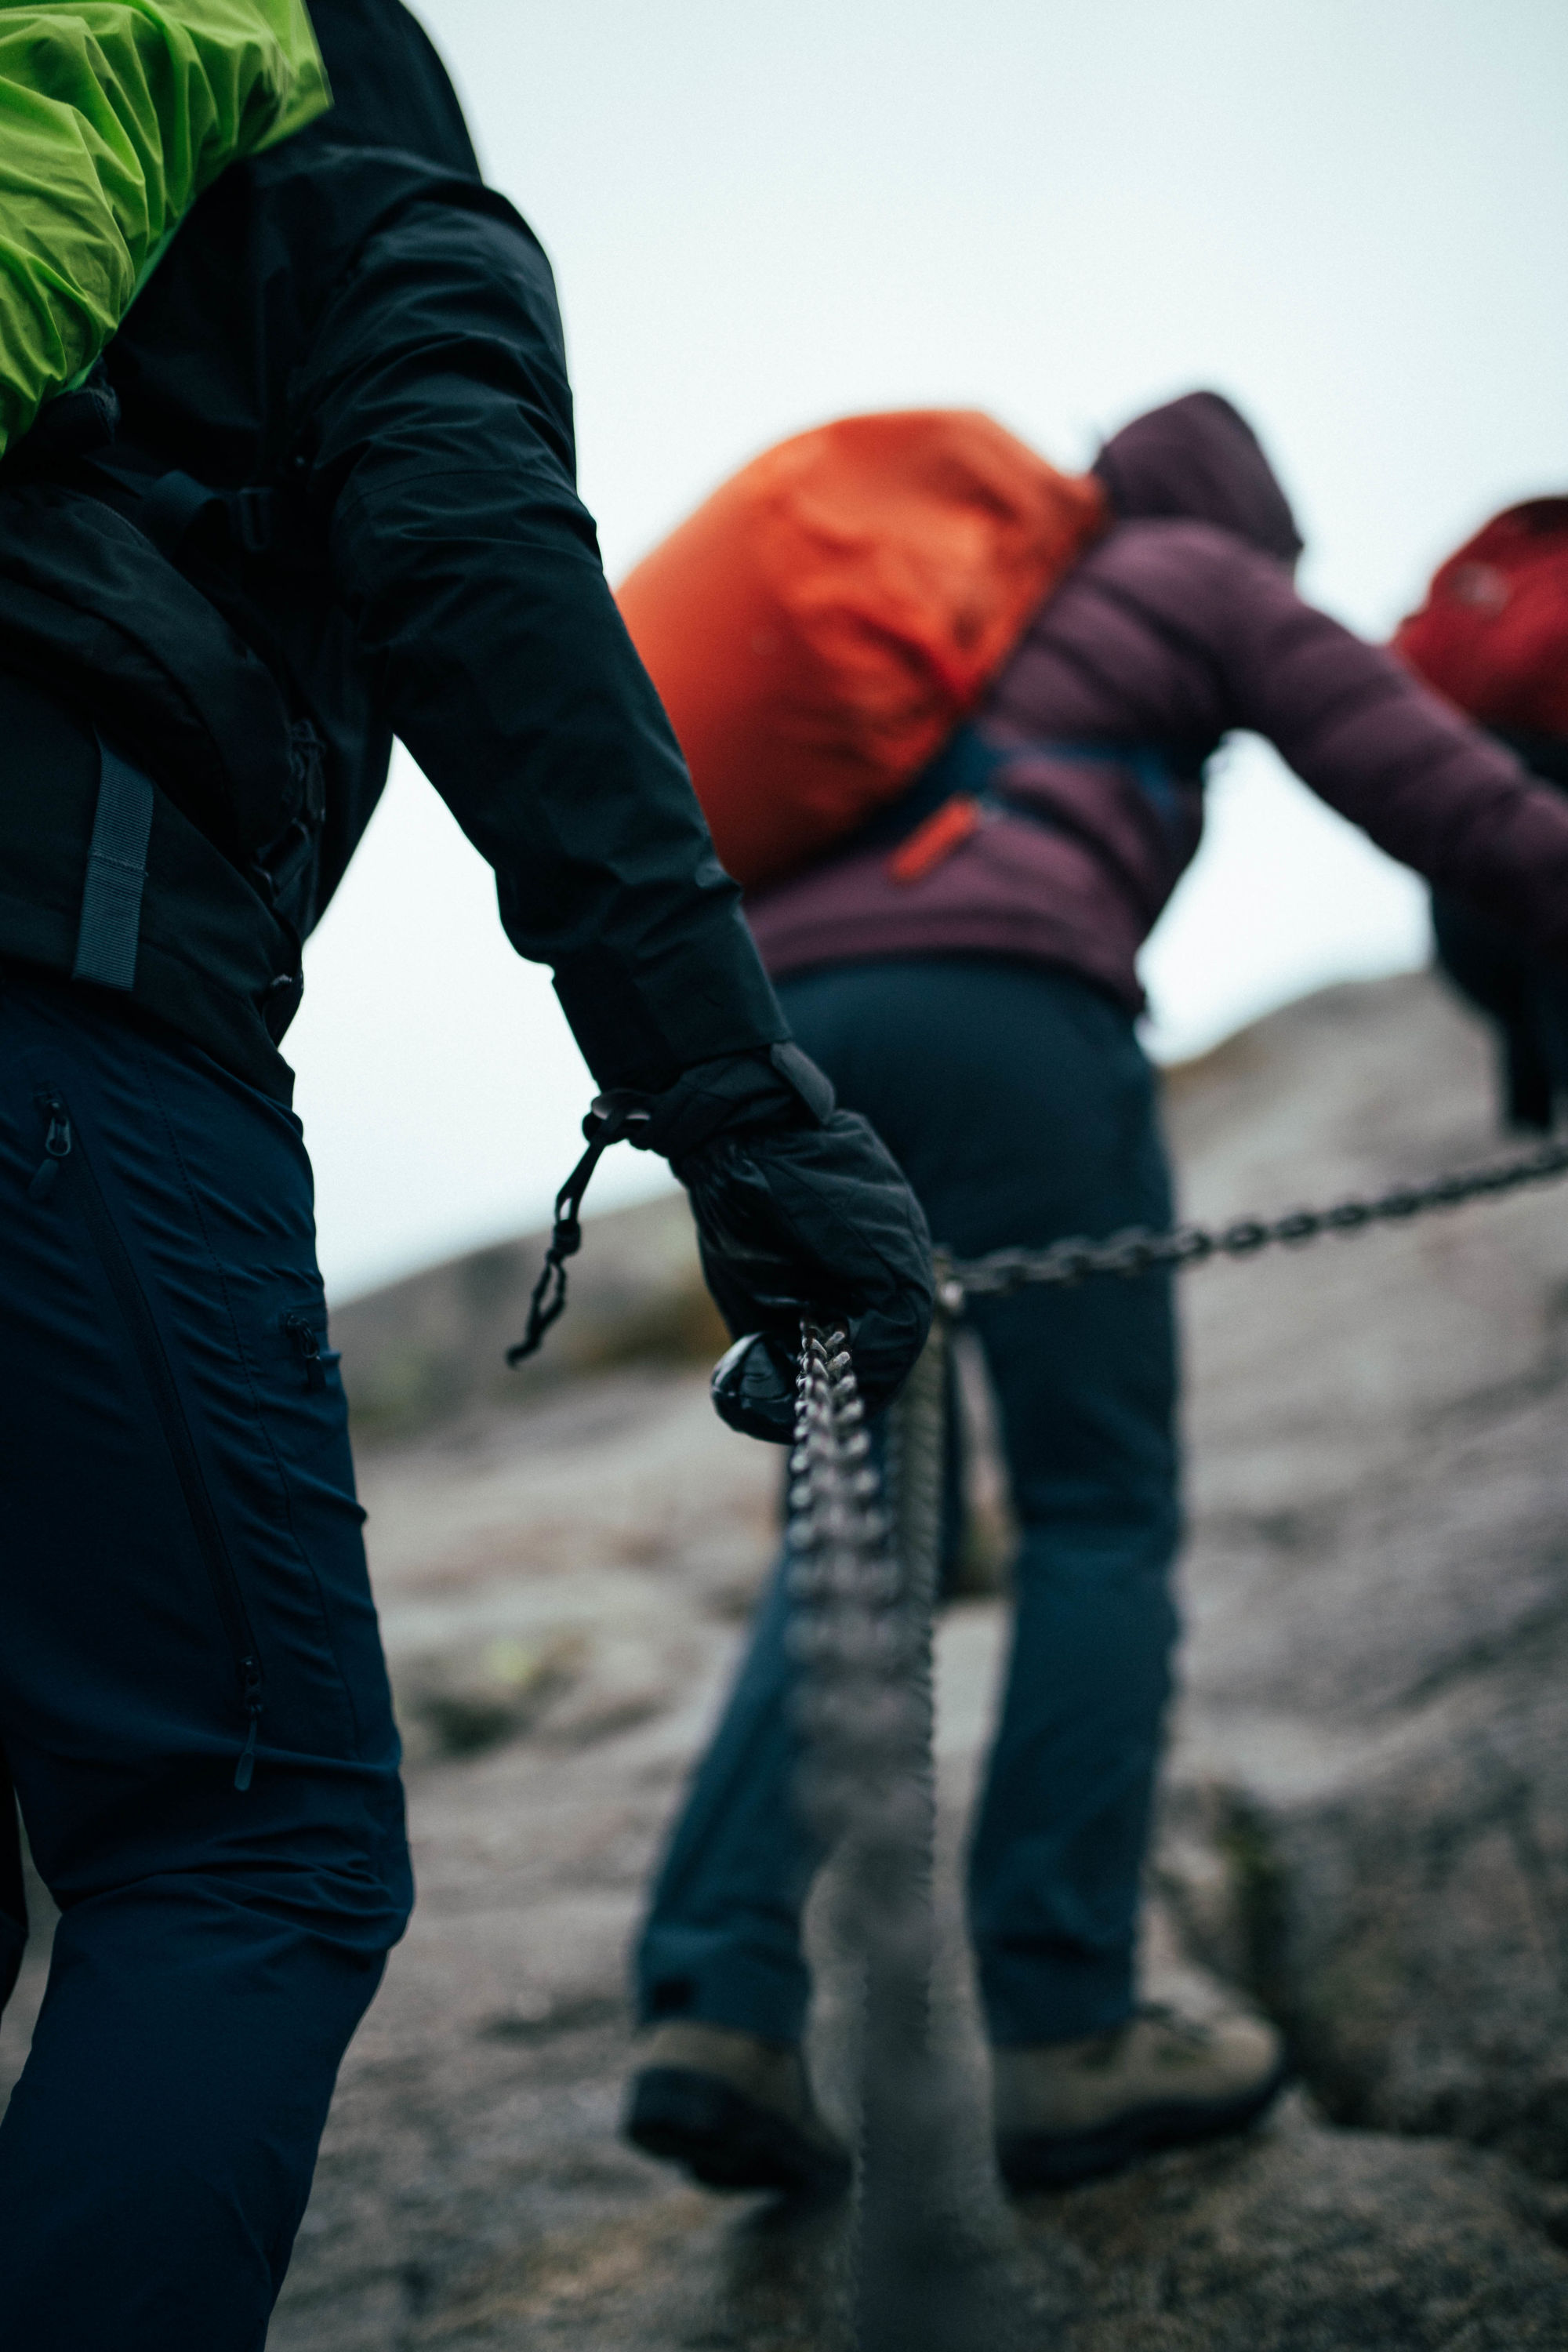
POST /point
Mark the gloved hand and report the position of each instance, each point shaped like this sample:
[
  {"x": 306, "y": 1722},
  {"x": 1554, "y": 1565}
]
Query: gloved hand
[{"x": 800, "y": 1209}]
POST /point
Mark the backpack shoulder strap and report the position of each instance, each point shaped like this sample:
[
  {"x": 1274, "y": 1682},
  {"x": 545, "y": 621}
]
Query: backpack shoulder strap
[{"x": 110, "y": 931}]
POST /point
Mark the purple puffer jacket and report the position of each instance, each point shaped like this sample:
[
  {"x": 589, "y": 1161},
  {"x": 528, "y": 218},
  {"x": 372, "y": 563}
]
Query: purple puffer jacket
[{"x": 1179, "y": 625}]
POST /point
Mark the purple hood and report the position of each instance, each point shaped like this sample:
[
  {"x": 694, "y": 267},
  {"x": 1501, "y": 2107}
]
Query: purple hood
[{"x": 1197, "y": 459}]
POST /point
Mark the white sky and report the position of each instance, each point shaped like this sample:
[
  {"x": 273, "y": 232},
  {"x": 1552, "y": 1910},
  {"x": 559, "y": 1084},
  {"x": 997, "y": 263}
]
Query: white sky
[{"x": 1348, "y": 215}]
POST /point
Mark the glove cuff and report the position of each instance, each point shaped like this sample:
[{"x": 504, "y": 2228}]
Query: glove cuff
[{"x": 777, "y": 1086}]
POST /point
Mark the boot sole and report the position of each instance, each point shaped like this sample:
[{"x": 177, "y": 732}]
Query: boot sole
[
  {"x": 726, "y": 2140},
  {"x": 1028, "y": 2160}
]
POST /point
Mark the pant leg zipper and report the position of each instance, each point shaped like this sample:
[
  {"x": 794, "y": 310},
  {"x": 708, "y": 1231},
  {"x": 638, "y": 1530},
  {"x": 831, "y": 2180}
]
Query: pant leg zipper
[
  {"x": 60, "y": 1145},
  {"x": 56, "y": 1147},
  {"x": 307, "y": 1344},
  {"x": 250, "y": 1684}
]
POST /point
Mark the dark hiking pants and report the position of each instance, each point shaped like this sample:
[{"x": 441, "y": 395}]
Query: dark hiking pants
[
  {"x": 181, "y": 1565},
  {"x": 1022, "y": 1110},
  {"x": 1525, "y": 995}
]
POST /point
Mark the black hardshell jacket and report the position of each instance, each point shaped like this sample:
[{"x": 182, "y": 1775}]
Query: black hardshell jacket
[{"x": 339, "y": 505}]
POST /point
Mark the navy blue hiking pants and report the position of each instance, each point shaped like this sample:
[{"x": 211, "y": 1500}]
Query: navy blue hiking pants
[
  {"x": 1525, "y": 995},
  {"x": 1020, "y": 1106},
  {"x": 193, "y": 1710}
]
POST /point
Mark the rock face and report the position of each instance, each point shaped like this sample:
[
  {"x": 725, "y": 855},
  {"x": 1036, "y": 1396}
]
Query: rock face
[
  {"x": 1369, "y": 1811},
  {"x": 1366, "y": 1819},
  {"x": 423, "y": 1348}
]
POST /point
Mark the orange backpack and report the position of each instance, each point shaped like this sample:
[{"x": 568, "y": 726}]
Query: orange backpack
[{"x": 821, "y": 625}]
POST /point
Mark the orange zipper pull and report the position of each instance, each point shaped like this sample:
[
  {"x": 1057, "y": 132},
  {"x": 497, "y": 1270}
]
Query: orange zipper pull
[{"x": 933, "y": 844}]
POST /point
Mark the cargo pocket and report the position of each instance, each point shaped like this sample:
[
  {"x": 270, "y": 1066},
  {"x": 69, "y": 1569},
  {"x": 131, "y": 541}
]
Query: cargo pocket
[{"x": 64, "y": 1169}]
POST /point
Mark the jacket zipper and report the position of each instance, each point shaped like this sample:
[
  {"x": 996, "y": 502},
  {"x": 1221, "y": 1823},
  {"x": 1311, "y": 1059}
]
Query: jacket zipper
[{"x": 60, "y": 1145}]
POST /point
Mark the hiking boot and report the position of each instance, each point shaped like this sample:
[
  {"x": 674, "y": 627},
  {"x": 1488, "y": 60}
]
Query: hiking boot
[
  {"x": 737, "y": 2112},
  {"x": 1068, "y": 2110}
]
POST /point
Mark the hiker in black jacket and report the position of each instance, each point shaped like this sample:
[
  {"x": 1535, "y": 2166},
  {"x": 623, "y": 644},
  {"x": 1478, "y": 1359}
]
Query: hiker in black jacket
[{"x": 318, "y": 491}]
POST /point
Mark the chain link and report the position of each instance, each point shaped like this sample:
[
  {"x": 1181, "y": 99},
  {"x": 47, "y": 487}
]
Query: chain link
[
  {"x": 862, "y": 1572},
  {"x": 1140, "y": 1247}
]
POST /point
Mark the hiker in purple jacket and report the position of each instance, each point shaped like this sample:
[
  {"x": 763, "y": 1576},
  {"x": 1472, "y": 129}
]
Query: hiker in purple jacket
[{"x": 972, "y": 992}]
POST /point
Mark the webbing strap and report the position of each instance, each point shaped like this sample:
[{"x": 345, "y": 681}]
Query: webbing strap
[{"x": 110, "y": 924}]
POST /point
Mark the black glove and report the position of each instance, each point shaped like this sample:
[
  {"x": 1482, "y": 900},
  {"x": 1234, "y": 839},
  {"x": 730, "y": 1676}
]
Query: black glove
[
  {"x": 808, "y": 1220},
  {"x": 799, "y": 1209}
]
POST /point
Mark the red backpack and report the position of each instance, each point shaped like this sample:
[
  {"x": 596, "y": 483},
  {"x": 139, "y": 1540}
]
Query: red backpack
[
  {"x": 1493, "y": 633},
  {"x": 821, "y": 624}
]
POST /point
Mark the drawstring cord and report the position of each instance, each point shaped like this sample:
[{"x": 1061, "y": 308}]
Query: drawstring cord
[{"x": 610, "y": 1117}]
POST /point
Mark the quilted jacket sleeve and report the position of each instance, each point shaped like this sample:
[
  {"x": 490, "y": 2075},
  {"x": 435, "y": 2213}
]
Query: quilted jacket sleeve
[{"x": 1383, "y": 749}]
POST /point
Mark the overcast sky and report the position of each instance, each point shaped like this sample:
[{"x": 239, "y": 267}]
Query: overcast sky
[{"x": 1348, "y": 215}]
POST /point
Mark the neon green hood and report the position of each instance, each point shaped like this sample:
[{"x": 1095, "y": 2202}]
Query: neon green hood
[{"x": 115, "y": 116}]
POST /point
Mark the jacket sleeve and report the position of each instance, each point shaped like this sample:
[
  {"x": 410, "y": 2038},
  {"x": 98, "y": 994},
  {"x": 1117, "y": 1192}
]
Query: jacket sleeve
[
  {"x": 439, "y": 427},
  {"x": 1383, "y": 749},
  {"x": 115, "y": 116}
]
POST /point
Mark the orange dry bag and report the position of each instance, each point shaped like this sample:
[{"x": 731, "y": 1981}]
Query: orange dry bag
[{"x": 821, "y": 624}]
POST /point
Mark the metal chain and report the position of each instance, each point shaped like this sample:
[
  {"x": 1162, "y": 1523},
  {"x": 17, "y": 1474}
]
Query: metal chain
[
  {"x": 863, "y": 1570},
  {"x": 1140, "y": 1247},
  {"x": 863, "y": 1584}
]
